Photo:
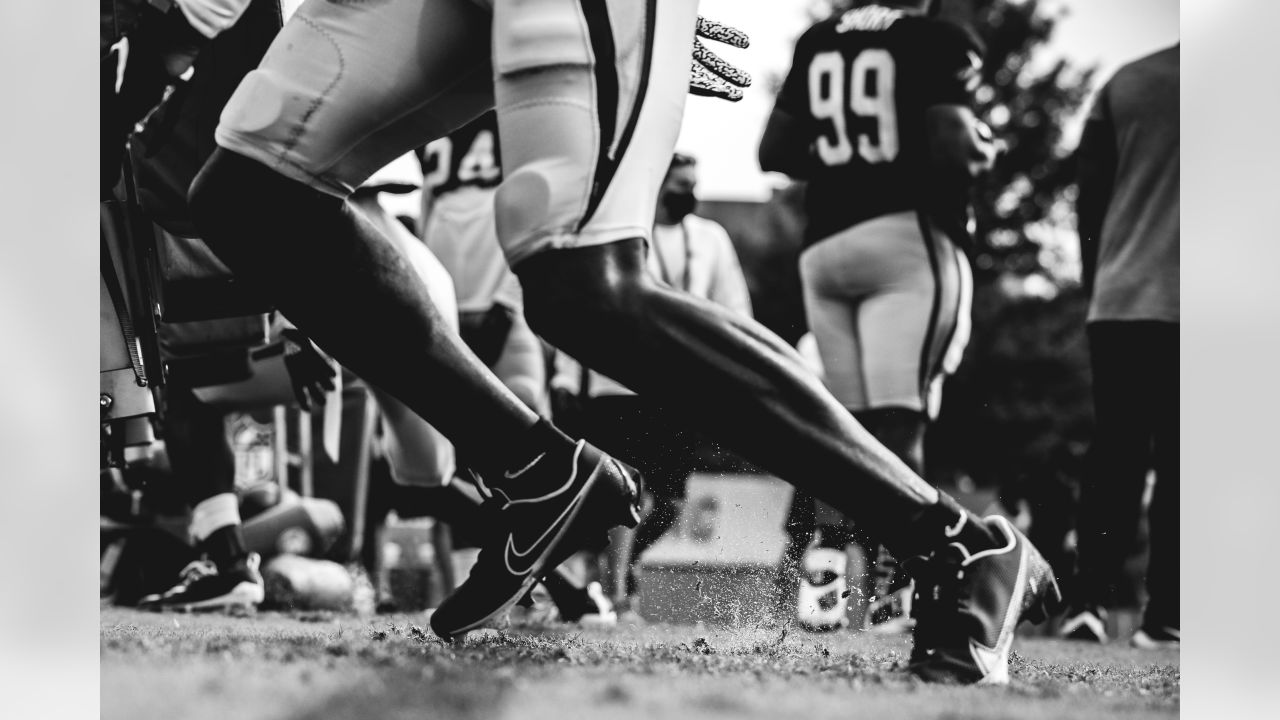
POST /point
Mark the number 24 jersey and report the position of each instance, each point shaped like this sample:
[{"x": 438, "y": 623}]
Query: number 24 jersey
[
  {"x": 859, "y": 87},
  {"x": 468, "y": 157}
]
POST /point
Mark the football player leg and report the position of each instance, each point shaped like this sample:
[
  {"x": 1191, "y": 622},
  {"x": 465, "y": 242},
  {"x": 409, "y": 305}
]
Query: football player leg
[
  {"x": 1161, "y": 619},
  {"x": 581, "y": 122},
  {"x": 884, "y": 299},
  {"x": 417, "y": 453},
  {"x": 522, "y": 367},
  {"x": 299, "y": 135},
  {"x": 226, "y": 575}
]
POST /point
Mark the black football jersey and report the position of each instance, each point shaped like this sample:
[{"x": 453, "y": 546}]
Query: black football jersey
[
  {"x": 859, "y": 87},
  {"x": 468, "y": 157}
]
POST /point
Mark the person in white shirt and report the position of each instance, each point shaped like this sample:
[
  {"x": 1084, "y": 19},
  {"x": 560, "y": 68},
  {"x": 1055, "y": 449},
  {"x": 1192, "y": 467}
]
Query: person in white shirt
[{"x": 691, "y": 254}]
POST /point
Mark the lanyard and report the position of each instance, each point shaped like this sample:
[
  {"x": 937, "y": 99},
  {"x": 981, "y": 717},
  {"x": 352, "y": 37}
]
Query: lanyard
[{"x": 688, "y": 260}]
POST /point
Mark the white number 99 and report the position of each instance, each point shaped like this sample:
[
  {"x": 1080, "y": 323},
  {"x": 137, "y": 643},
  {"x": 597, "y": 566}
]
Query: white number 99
[{"x": 827, "y": 102}]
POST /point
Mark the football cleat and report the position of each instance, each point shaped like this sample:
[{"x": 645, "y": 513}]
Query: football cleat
[
  {"x": 561, "y": 502},
  {"x": 1088, "y": 624},
  {"x": 712, "y": 76},
  {"x": 203, "y": 586},
  {"x": 588, "y": 607},
  {"x": 820, "y": 605},
  {"x": 1156, "y": 638},
  {"x": 969, "y": 602}
]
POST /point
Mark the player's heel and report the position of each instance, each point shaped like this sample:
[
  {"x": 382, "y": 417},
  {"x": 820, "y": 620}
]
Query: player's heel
[
  {"x": 611, "y": 500},
  {"x": 1049, "y": 601},
  {"x": 621, "y": 501}
]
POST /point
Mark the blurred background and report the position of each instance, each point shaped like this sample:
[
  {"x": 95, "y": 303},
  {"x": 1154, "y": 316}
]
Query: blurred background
[{"x": 1016, "y": 418}]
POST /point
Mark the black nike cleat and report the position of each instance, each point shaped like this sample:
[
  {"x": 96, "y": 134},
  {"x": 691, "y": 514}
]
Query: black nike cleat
[
  {"x": 1088, "y": 624},
  {"x": 562, "y": 502},
  {"x": 203, "y": 586},
  {"x": 968, "y": 604}
]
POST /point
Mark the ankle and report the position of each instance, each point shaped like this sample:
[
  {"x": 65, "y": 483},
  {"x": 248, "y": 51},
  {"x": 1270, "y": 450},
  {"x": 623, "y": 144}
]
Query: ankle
[
  {"x": 515, "y": 469},
  {"x": 215, "y": 526},
  {"x": 225, "y": 547},
  {"x": 946, "y": 522}
]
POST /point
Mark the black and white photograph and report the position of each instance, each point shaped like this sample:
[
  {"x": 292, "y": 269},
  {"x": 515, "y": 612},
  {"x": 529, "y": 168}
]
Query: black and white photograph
[{"x": 635, "y": 359}]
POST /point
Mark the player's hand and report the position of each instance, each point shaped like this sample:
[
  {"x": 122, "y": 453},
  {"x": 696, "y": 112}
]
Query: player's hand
[
  {"x": 309, "y": 370},
  {"x": 712, "y": 76}
]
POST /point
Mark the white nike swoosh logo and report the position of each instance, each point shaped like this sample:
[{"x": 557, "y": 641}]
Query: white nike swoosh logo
[
  {"x": 511, "y": 475},
  {"x": 537, "y": 544}
]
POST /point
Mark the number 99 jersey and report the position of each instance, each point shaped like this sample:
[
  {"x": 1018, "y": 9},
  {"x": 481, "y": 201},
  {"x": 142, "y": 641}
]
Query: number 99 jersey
[{"x": 859, "y": 87}]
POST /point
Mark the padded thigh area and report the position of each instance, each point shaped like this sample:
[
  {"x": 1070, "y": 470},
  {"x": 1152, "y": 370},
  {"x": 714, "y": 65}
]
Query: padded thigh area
[{"x": 530, "y": 34}]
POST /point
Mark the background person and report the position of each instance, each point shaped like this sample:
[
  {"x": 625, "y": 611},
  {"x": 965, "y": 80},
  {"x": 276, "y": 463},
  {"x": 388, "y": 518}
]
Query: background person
[
  {"x": 877, "y": 115},
  {"x": 1129, "y": 230}
]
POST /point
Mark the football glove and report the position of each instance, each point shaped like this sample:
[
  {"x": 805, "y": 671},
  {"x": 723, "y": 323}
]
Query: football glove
[
  {"x": 712, "y": 76},
  {"x": 309, "y": 370}
]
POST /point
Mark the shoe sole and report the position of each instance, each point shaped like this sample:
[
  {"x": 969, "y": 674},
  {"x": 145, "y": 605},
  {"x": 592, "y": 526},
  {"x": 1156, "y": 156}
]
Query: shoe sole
[
  {"x": 597, "y": 621},
  {"x": 244, "y": 596},
  {"x": 557, "y": 552},
  {"x": 1142, "y": 641}
]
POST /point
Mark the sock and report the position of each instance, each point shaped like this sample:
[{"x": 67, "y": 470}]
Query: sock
[
  {"x": 225, "y": 546},
  {"x": 215, "y": 525},
  {"x": 527, "y": 451}
]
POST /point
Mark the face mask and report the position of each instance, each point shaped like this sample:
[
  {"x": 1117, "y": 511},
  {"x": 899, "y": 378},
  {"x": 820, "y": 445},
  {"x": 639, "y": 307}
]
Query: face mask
[{"x": 678, "y": 205}]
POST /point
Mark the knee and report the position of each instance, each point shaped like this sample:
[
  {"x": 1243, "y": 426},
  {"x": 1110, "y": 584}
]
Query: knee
[
  {"x": 540, "y": 198},
  {"x": 212, "y": 193},
  {"x": 560, "y": 296}
]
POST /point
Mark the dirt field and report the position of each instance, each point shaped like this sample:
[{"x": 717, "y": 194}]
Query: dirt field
[{"x": 298, "y": 667}]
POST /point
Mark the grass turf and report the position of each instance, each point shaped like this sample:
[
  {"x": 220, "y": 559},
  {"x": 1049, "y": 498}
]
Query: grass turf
[{"x": 300, "y": 667}]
